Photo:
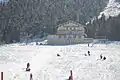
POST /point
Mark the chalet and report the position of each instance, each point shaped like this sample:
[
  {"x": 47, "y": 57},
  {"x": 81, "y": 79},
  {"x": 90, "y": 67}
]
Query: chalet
[{"x": 69, "y": 33}]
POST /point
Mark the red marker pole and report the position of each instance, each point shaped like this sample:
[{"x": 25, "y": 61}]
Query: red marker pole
[
  {"x": 31, "y": 76},
  {"x": 71, "y": 76},
  {"x": 1, "y": 75}
]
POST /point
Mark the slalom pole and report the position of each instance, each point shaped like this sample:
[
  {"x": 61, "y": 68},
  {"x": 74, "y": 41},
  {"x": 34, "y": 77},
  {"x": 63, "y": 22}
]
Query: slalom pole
[
  {"x": 1, "y": 75},
  {"x": 71, "y": 75},
  {"x": 31, "y": 76}
]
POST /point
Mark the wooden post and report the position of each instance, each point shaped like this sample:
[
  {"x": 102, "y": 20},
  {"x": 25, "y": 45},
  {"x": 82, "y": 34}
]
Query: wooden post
[{"x": 1, "y": 75}]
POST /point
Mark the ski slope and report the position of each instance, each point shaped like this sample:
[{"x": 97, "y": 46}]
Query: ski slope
[{"x": 46, "y": 65}]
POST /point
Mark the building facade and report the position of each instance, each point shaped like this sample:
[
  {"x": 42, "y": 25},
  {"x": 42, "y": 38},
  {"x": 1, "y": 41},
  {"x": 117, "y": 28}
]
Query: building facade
[{"x": 68, "y": 33}]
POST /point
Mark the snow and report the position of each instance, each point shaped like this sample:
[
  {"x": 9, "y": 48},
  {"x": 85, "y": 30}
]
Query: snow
[
  {"x": 46, "y": 65},
  {"x": 112, "y": 9}
]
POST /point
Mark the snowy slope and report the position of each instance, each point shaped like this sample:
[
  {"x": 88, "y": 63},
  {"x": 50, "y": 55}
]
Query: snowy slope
[
  {"x": 45, "y": 65},
  {"x": 112, "y": 9}
]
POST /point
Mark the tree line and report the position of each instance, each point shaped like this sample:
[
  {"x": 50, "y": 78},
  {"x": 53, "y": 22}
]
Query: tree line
[
  {"x": 22, "y": 19},
  {"x": 109, "y": 28}
]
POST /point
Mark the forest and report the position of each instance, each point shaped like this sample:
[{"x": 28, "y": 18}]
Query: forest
[{"x": 28, "y": 19}]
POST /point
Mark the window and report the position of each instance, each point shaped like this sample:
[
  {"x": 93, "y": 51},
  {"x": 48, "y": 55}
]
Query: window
[
  {"x": 69, "y": 36},
  {"x": 64, "y": 36},
  {"x": 74, "y": 36},
  {"x": 60, "y": 36}
]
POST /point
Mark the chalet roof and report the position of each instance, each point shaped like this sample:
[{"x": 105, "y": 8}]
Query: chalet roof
[{"x": 71, "y": 23}]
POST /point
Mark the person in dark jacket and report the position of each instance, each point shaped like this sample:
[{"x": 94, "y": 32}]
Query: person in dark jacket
[
  {"x": 101, "y": 56},
  {"x": 88, "y": 44},
  {"x": 28, "y": 67},
  {"x": 88, "y": 53},
  {"x": 104, "y": 58},
  {"x": 58, "y": 54}
]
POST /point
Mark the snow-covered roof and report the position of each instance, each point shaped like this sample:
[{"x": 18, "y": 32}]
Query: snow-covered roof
[
  {"x": 112, "y": 9},
  {"x": 70, "y": 24}
]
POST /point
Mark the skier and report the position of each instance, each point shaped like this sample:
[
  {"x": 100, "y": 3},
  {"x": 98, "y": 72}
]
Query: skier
[
  {"x": 101, "y": 56},
  {"x": 36, "y": 43},
  {"x": 88, "y": 53},
  {"x": 58, "y": 54},
  {"x": 70, "y": 77},
  {"x": 104, "y": 58},
  {"x": 88, "y": 44},
  {"x": 85, "y": 54},
  {"x": 28, "y": 67}
]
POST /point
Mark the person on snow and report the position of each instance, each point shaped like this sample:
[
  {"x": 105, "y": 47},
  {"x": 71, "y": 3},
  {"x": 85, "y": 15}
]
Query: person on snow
[
  {"x": 88, "y": 44},
  {"x": 36, "y": 43},
  {"x": 101, "y": 56},
  {"x": 104, "y": 58},
  {"x": 88, "y": 53},
  {"x": 69, "y": 78},
  {"x": 85, "y": 54},
  {"x": 58, "y": 54},
  {"x": 28, "y": 67}
]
